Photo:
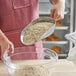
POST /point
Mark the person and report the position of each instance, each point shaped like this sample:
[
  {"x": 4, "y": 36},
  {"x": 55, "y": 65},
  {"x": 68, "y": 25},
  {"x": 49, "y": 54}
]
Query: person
[
  {"x": 57, "y": 12},
  {"x": 15, "y": 15},
  {"x": 5, "y": 44}
]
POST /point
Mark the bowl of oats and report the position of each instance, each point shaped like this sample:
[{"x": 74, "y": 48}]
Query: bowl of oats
[{"x": 22, "y": 64}]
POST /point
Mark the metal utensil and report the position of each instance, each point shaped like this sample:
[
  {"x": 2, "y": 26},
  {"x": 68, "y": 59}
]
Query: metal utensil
[{"x": 46, "y": 34}]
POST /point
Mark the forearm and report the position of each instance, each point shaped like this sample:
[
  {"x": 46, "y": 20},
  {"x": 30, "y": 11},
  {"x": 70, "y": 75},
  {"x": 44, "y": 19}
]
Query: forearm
[
  {"x": 62, "y": 1},
  {"x": 57, "y": 1},
  {"x": 62, "y": 4}
]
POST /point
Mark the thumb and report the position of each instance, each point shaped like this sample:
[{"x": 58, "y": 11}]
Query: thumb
[{"x": 11, "y": 48}]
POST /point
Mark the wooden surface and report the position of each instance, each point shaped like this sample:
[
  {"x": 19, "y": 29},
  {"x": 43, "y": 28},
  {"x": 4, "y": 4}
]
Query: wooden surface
[{"x": 62, "y": 68}]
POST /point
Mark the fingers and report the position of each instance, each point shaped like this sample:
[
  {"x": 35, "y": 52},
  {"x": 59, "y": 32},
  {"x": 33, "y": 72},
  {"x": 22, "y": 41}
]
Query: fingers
[
  {"x": 56, "y": 15},
  {"x": 52, "y": 13},
  {"x": 11, "y": 48},
  {"x": 59, "y": 18}
]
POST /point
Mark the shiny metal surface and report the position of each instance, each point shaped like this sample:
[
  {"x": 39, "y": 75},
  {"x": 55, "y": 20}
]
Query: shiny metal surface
[{"x": 41, "y": 19}]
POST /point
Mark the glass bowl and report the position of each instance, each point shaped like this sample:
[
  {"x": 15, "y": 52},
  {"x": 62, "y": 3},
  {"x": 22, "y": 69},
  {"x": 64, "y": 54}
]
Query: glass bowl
[{"x": 24, "y": 63}]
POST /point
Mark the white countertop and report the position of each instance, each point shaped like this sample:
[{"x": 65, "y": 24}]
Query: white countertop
[{"x": 62, "y": 68}]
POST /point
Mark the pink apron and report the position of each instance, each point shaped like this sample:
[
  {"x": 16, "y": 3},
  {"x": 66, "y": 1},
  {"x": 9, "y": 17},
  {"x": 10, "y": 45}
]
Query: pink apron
[{"x": 14, "y": 16}]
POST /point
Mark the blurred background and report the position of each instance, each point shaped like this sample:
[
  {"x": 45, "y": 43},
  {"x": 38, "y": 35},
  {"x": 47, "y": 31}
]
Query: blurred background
[{"x": 57, "y": 40}]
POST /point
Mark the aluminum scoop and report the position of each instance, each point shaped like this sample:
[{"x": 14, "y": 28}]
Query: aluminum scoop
[{"x": 46, "y": 34}]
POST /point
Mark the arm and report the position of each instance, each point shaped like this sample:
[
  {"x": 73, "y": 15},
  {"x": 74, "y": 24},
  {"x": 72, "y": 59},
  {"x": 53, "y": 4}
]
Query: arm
[
  {"x": 5, "y": 44},
  {"x": 56, "y": 1},
  {"x": 57, "y": 12}
]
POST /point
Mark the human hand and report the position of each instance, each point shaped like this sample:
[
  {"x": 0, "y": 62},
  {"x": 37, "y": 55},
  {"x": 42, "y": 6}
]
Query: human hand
[
  {"x": 6, "y": 45},
  {"x": 57, "y": 12}
]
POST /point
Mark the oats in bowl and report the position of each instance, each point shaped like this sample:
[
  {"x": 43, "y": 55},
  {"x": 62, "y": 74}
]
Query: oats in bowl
[{"x": 32, "y": 68}]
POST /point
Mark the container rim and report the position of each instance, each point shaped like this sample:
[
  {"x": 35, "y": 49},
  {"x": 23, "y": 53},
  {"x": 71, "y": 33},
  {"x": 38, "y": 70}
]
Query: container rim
[{"x": 7, "y": 59}]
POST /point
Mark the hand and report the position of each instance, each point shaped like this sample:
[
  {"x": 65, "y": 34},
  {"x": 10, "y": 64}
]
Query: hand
[
  {"x": 57, "y": 12},
  {"x": 7, "y": 45}
]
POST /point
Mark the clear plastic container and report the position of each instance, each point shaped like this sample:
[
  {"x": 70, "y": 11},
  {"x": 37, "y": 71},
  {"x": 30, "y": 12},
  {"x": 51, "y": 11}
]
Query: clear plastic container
[
  {"x": 71, "y": 37},
  {"x": 27, "y": 64}
]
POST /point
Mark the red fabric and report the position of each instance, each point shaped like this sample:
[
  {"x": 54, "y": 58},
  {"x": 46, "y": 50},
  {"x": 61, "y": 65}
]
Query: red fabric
[{"x": 14, "y": 16}]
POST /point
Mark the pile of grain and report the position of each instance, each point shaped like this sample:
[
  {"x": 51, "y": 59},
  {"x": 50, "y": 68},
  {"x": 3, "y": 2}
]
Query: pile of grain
[
  {"x": 34, "y": 32},
  {"x": 31, "y": 68}
]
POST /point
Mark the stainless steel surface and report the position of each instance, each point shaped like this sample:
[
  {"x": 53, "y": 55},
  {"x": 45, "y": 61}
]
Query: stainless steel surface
[{"x": 41, "y": 19}]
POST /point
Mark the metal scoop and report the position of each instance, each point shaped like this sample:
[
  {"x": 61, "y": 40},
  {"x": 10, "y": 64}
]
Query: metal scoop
[{"x": 46, "y": 34}]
